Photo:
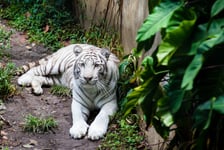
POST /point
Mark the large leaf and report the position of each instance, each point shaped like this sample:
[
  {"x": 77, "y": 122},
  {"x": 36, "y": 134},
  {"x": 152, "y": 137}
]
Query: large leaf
[
  {"x": 191, "y": 72},
  {"x": 178, "y": 31},
  {"x": 203, "y": 113},
  {"x": 169, "y": 105},
  {"x": 157, "y": 20},
  {"x": 214, "y": 103},
  {"x": 217, "y": 7},
  {"x": 148, "y": 70},
  {"x": 208, "y": 36},
  {"x": 160, "y": 128},
  {"x": 149, "y": 103}
]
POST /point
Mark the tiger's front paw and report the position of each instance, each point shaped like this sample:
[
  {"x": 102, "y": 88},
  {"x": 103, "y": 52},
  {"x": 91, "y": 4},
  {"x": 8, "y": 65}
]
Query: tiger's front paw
[
  {"x": 78, "y": 130},
  {"x": 36, "y": 87},
  {"x": 96, "y": 131},
  {"x": 37, "y": 90}
]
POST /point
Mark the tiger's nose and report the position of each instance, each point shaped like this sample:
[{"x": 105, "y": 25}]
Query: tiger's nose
[{"x": 88, "y": 78}]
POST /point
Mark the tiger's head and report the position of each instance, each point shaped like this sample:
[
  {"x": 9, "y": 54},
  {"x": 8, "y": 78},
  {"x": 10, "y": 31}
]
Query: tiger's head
[{"x": 90, "y": 65}]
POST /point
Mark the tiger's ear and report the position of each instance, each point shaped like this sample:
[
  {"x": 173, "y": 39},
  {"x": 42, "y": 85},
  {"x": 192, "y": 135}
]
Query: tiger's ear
[
  {"x": 106, "y": 53},
  {"x": 77, "y": 50}
]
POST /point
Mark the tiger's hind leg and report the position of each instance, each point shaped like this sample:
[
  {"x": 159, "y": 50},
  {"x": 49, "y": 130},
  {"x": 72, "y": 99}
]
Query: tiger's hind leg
[
  {"x": 25, "y": 79},
  {"x": 36, "y": 82}
]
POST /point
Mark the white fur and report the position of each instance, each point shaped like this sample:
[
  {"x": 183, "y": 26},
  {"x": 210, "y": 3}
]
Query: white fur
[{"x": 81, "y": 106}]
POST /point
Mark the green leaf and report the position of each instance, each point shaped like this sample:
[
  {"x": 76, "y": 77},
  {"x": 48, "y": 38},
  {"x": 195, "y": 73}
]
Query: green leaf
[
  {"x": 208, "y": 36},
  {"x": 202, "y": 118},
  {"x": 136, "y": 96},
  {"x": 217, "y": 7},
  {"x": 160, "y": 128},
  {"x": 216, "y": 103},
  {"x": 191, "y": 72},
  {"x": 178, "y": 31},
  {"x": 148, "y": 70},
  {"x": 167, "y": 106},
  {"x": 219, "y": 105},
  {"x": 203, "y": 113},
  {"x": 149, "y": 103},
  {"x": 157, "y": 20},
  {"x": 167, "y": 119}
]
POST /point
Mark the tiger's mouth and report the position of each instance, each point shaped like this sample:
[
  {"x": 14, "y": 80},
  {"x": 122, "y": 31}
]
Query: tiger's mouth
[{"x": 88, "y": 81}]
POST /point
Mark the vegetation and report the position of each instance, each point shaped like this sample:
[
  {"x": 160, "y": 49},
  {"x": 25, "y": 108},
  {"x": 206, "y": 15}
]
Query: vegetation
[
  {"x": 39, "y": 125},
  {"x": 7, "y": 89},
  {"x": 51, "y": 24},
  {"x": 190, "y": 54},
  {"x": 4, "y": 41},
  {"x": 4, "y": 148},
  {"x": 124, "y": 133},
  {"x": 42, "y": 21},
  {"x": 60, "y": 90}
]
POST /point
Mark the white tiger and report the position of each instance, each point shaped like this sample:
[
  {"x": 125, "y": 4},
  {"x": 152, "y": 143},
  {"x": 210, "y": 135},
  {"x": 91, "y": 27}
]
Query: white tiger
[{"x": 91, "y": 73}]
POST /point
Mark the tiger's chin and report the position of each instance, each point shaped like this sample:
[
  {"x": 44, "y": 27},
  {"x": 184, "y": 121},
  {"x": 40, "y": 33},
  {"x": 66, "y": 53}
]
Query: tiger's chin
[{"x": 88, "y": 86}]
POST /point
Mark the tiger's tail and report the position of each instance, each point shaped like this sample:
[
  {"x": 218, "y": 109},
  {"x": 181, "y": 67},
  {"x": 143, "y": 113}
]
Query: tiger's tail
[{"x": 26, "y": 67}]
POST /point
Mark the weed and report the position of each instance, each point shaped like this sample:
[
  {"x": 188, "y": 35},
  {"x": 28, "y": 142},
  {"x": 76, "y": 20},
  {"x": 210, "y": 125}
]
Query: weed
[
  {"x": 123, "y": 134},
  {"x": 4, "y": 40},
  {"x": 55, "y": 28},
  {"x": 60, "y": 90},
  {"x": 4, "y": 148},
  {"x": 39, "y": 125},
  {"x": 7, "y": 89}
]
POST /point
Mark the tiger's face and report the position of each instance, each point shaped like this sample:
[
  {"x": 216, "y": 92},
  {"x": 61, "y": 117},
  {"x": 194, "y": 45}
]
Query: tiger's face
[{"x": 90, "y": 66}]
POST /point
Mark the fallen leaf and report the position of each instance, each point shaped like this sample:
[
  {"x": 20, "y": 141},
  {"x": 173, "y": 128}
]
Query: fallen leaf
[
  {"x": 2, "y": 106},
  {"x": 27, "y": 14},
  {"x": 3, "y": 133},
  {"x": 33, "y": 142},
  {"x": 47, "y": 27},
  {"x": 28, "y": 47},
  {"x": 28, "y": 146},
  {"x": 33, "y": 44},
  {"x": 4, "y": 137}
]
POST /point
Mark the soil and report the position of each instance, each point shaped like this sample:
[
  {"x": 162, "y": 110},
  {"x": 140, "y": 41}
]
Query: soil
[{"x": 24, "y": 103}]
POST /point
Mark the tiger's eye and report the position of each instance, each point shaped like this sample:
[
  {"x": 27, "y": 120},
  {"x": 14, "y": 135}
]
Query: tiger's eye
[
  {"x": 82, "y": 64},
  {"x": 97, "y": 65}
]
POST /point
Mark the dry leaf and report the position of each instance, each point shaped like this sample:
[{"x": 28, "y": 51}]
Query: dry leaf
[
  {"x": 47, "y": 27},
  {"x": 28, "y": 146},
  {"x": 27, "y": 14},
  {"x": 33, "y": 142}
]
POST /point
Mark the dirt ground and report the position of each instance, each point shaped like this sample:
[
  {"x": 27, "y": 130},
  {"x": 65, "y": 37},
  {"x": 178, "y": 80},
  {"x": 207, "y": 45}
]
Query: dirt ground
[{"x": 25, "y": 103}]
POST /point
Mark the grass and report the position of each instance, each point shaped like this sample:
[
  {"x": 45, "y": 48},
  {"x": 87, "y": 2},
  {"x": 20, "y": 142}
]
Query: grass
[
  {"x": 7, "y": 89},
  {"x": 4, "y": 148},
  {"x": 124, "y": 133},
  {"x": 4, "y": 41},
  {"x": 39, "y": 125},
  {"x": 60, "y": 90},
  {"x": 55, "y": 28}
]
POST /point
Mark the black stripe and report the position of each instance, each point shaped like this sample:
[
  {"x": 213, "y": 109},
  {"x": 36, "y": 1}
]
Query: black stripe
[
  {"x": 59, "y": 68},
  {"x": 66, "y": 60},
  {"x": 85, "y": 94},
  {"x": 82, "y": 100},
  {"x": 45, "y": 69},
  {"x": 51, "y": 68}
]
